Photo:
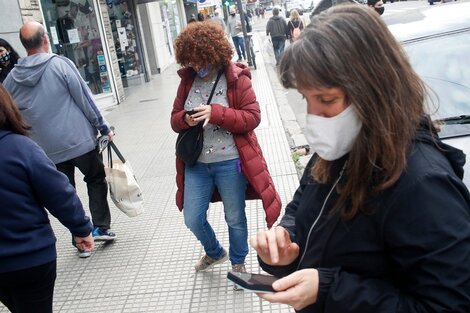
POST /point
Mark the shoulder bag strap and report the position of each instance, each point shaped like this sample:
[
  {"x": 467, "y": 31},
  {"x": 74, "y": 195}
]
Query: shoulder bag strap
[{"x": 215, "y": 85}]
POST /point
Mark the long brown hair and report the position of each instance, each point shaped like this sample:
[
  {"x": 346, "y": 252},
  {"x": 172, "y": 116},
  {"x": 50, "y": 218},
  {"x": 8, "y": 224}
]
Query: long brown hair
[
  {"x": 350, "y": 47},
  {"x": 10, "y": 117}
]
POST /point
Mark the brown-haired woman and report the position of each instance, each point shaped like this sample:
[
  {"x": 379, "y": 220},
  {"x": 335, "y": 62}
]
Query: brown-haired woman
[
  {"x": 231, "y": 166},
  {"x": 381, "y": 220},
  {"x": 30, "y": 182}
]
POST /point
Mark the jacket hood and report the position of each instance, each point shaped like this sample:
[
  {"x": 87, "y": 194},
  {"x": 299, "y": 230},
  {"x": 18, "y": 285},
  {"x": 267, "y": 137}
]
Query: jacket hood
[
  {"x": 276, "y": 17},
  {"x": 428, "y": 134},
  {"x": 28, "y": 71}
]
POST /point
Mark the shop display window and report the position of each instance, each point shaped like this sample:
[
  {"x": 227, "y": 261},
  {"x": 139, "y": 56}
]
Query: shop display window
[
  {"x": 122, "y": 18},
  {"x": 73, "y": 29}
]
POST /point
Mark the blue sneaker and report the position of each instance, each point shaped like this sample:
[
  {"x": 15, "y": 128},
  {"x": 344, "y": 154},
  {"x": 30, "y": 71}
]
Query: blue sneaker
[{"x": 103, "y": 235}]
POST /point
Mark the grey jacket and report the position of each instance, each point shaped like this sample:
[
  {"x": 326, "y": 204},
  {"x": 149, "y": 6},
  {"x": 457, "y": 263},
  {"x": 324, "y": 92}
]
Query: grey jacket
[
  {"x": 56, "y": 102},
  {"x": 276, "y": 27}
]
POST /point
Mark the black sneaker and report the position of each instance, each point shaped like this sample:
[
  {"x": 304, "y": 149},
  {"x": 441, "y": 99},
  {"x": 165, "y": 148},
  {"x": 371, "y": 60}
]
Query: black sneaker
[{"x": 103, "y": 235}]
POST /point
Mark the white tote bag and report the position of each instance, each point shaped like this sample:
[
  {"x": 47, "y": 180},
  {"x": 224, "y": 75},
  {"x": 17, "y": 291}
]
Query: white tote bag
[{"x": 123, "y": 187}]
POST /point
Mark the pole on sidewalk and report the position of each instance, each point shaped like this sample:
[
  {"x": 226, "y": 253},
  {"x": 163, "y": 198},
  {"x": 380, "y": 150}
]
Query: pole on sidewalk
[{"x": 245, "y": 35}]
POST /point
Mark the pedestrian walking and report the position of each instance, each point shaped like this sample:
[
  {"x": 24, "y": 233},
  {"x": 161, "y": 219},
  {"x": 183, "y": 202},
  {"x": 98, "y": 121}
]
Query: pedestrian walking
[
  {"x": 295, "y": 25},
  {"x": 381, "y": 219},
  {"x": 219, "y": 20},
  {"x": 30, "y": 184},
  {"x": 231, "y": 167},
  {"x": 277, "y": 28},
  {"x": 8, "y": 58},
  {"x": 56, "y": 102},
  {"x": 234, "y": 29}
]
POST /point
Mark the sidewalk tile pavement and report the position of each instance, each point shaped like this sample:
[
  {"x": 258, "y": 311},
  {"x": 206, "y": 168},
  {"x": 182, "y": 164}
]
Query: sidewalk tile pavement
[{"x": 149, "y": 268}]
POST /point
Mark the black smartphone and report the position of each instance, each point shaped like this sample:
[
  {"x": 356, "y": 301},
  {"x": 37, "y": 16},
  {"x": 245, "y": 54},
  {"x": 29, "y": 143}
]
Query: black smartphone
[
  {"x": 190, "y": 112},
  {"x": 253, "y": 282}
]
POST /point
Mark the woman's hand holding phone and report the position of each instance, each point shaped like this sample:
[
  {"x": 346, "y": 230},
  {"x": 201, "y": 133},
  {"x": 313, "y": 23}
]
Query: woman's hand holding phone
[
  {"x": 275, "y": 247},
  {"x": 198, "y": 114},
  {"x": 298, "y": 289}
]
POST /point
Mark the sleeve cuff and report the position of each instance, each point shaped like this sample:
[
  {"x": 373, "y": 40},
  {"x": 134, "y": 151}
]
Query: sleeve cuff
[
  {"x": 326, "y": 277},
  {"x": 104, "y": 130}
]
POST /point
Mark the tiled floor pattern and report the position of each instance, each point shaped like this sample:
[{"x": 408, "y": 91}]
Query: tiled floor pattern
[{"x": 150, "y": 266}]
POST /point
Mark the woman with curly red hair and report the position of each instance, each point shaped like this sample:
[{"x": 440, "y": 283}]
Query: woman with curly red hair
[{"x": 231, "y": 167}]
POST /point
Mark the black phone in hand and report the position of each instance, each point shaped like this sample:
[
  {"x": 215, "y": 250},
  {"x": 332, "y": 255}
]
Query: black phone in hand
[{"x": 253, "y": 282}]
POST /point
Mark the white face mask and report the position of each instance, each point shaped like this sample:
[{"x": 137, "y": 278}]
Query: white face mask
[{"x": 333, "y": 137}]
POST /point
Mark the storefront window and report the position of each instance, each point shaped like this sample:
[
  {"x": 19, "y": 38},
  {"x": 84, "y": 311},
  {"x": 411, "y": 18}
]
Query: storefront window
[
  {"x": 122, "y": 17},
  {"x": 74, "y": 33}
]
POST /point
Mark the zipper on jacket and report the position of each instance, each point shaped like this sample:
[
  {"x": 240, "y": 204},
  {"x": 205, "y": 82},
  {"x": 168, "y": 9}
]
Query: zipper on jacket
[{"x": 320, "y": 214}]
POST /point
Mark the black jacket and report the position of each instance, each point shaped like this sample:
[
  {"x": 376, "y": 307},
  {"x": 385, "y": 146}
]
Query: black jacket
[
  {"x": 293, "y": 24},
  {"x": 412, "y": 254}
]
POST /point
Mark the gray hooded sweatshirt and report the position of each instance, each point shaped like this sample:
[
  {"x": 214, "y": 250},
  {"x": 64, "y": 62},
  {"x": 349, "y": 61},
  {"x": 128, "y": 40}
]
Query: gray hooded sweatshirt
[
  {"x": 276, "y": 27},
  {"x": 56, "y": 102}
]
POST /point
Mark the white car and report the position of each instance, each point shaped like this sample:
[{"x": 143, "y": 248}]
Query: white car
[{"x": 437, "y": 42}]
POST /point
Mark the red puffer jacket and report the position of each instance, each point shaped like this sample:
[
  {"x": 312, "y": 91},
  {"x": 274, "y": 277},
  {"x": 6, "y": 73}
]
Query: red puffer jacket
[{"x": 240, "y": 118}]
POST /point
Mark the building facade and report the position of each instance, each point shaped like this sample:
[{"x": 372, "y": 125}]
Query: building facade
[{"x": 115, "y": 44}]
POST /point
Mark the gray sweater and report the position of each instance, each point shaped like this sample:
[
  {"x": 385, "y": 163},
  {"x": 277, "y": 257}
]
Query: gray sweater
[{"x": 56, "y": 102}]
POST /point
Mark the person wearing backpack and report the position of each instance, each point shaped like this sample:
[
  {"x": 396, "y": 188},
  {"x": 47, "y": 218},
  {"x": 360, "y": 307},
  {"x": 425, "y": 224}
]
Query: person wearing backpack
[{"x": 295, "y": 25}]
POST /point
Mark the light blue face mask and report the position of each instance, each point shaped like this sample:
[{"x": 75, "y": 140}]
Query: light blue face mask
[{"x": 203, "y": 72}]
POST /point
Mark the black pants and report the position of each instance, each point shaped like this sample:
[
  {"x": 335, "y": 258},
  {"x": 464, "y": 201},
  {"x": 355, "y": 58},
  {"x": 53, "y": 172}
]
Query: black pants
[
  {"x": 92, "y": 167},
  {"x": 30, "y": 290}
]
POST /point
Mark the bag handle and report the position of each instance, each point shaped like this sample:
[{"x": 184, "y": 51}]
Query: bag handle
[
  {"x": 215, "y": 85},
  {"x": 112, "y": 146}
]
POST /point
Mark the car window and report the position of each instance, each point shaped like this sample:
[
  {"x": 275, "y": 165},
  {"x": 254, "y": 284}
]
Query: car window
[{"x": 444, "y": 64}]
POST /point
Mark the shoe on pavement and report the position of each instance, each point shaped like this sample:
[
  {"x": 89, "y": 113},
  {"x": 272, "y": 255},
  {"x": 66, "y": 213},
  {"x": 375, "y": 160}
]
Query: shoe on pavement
[
  {"x": 84, "y": 253},
  {"x": 241, "y": 269},
  {"x": 103, "y": 235},
  {"x": 206, "y": 262}
]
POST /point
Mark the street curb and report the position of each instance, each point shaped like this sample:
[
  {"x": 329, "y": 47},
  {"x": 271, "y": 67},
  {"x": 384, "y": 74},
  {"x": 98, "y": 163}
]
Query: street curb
[{"x": 295, "y": 137}]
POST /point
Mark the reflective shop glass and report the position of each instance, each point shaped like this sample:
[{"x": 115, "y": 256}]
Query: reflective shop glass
[{"x": 73, "y": 32}]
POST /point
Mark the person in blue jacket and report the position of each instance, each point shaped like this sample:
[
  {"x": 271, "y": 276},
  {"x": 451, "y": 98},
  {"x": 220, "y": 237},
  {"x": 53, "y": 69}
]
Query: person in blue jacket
[
  {"x": 381, "y": 220},
  {"x": 29, "y": 183},
  {"x": 65, "y": 121}
]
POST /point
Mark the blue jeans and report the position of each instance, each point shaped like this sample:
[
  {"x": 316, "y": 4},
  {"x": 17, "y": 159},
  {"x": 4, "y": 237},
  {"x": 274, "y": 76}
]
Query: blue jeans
[
  {"x": 278, "y": 46},
  {"x": 239, "y": 44},
  {"x": 199, "y": 184}
]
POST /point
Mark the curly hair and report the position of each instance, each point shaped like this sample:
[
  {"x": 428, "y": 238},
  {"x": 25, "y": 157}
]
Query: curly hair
[{"x": 203, "y": 43}]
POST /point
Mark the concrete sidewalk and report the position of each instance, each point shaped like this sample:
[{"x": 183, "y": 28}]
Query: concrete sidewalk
[{"x": 149, "y": 268}]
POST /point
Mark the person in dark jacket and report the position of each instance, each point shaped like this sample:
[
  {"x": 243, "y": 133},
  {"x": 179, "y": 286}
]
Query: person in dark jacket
[
  {"x": 231, "y": 166},
  {"x": 294, "y": 26},
  {"x": 29, "y": 183},
  {"x": 377, "y": 5},
  {"x": 8, "y": 58},
  {"x": 277, "y": 28},
  {"x": 381, "y": 219}
]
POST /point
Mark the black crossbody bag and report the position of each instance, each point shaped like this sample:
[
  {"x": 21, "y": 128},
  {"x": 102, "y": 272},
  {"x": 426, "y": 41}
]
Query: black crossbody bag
[{"x": 190, "y": 141}]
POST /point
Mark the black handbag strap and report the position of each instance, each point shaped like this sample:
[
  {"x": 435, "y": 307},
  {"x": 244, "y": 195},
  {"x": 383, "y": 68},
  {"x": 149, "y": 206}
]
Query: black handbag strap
[
  {"x": 215, "y": 85},
  {"x": 112, "y": 146}
]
